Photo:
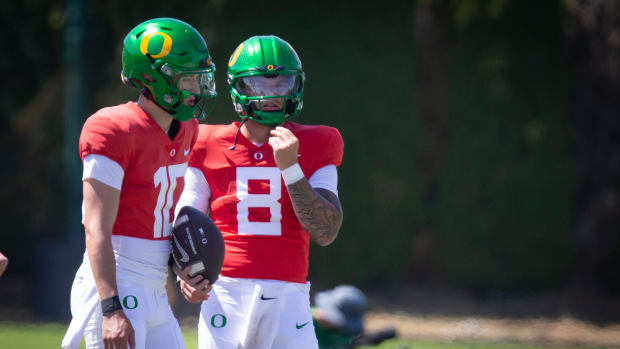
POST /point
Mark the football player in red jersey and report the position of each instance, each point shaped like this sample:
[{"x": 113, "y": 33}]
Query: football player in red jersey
[
  {"x": 271, "y": 186},
  {"x": 135, "y": 156}
]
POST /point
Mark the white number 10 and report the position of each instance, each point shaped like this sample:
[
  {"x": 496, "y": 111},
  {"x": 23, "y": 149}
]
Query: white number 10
[{"x": 166, "y": 177}]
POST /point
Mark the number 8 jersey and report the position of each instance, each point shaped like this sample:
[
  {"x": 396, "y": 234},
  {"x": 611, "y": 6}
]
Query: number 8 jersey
[
  {"x": 150, "y": 164},
  {"x": 249, "y": 201}
]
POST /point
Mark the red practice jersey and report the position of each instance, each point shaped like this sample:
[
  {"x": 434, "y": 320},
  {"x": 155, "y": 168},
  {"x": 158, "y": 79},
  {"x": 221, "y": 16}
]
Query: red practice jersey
[
  {"x": 249, "y": 201},
  {"x": 153, "y": 166}
]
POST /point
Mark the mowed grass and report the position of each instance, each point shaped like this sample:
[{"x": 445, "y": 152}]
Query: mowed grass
[
  {"x": 49, "y": 335},
  {"x": 400, "y": 344},
  {"x": 44, "y": 336}
]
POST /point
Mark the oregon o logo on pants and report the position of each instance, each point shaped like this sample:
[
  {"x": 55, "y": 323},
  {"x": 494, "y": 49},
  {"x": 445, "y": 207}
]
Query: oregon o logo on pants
[
  {"x": 126, "y": 302},
  {"x": 221, "y": 323}
]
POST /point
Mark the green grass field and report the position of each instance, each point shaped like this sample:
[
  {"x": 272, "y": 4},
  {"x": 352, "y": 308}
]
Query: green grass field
[{"x": 44, "y": 336}]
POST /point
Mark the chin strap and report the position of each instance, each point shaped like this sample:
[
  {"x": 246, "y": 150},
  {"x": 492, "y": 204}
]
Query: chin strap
[{"x": 232, "y": 147}]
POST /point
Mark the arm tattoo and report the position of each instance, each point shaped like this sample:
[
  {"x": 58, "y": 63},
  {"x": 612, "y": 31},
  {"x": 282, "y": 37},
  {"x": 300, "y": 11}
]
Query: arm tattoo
[{"x": 318, "y": 210}]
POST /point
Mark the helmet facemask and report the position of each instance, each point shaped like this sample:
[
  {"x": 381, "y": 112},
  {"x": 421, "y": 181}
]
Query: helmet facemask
[
  {"x": 268, "y": 99},
  {"x": 187, "y": 93}
]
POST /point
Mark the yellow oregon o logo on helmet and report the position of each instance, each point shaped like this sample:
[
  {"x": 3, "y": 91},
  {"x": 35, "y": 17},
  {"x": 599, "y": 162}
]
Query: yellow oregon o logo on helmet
[
  {"x": 165, "y": 48},
  {"x": 235, "y": 55}
]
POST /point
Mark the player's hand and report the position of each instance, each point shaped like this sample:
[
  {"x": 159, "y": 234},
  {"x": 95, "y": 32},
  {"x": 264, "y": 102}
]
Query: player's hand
[
  {"x": 3, "y": 263},
  {"x": 184, "y": 275},
  {"x": 117, "y": 331},
  {"x": 196, "y": 293},
  {"x": 285, "y": 147},
  {"x": 194, "y": 289}
]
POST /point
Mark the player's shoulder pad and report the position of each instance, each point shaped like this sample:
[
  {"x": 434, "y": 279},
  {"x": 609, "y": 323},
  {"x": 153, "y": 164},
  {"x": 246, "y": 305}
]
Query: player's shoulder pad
[
  {"x": 119, "y": 119},
  {"x": 108, "y": 132},
  {"x": 207, "y": 133},
  {"x": 332, "y": 145},
  {"x": 105, "y": 120},
  {"x": 212, "y": 137},
  {"x": 318, "y": 133},
  {"x": 197, "y": 242}
]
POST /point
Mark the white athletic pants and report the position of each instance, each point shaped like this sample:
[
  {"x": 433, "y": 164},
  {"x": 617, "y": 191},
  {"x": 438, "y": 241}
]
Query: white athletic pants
[
  {"x": 256, "y": 314},
  {"x": 141, "y": 268}
]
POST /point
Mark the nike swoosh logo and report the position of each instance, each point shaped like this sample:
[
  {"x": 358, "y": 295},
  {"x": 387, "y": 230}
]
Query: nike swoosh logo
[
  {"x": 186, "y": 151},
  {"x": 184, "y": 255},
  {"x": 302, "y": 325},
  {"x": 262, "y": 297}
]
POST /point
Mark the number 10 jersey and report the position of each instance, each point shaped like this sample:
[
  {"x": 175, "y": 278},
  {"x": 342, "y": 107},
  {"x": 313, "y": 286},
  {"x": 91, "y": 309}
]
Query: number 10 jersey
[{"x": 153, "y": 166}]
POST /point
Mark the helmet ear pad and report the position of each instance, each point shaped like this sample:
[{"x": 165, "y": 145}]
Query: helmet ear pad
[{"x": 148, "y": 78}]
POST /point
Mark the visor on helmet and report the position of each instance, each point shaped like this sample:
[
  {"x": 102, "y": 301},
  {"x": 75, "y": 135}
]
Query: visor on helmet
[
  {"x": 264, "y": 85},
  {"x": 265, "y": 92},
  {"x": 199, "y": 83},
  {"x": 195, "y": 90}
]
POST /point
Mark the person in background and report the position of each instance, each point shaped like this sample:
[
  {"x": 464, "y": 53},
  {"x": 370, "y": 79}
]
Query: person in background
[
  {"x": 338, "y": 316},
  {"x": 3, "y": 263}
]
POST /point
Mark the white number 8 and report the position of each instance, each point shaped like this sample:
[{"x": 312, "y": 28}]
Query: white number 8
[{"x": 247, "y": 200}]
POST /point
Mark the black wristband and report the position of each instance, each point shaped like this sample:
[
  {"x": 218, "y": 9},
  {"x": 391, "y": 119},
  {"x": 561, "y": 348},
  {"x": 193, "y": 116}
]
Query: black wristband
[{"x": 110, "y": 305}]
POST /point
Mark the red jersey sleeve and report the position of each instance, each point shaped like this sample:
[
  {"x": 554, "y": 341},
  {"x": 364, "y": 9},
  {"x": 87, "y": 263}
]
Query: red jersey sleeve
[
  {"x": 103, "y": 134},
  {"x": 334, "y": 149}
]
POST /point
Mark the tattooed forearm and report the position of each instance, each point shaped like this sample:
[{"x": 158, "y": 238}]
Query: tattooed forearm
[{"x": 318, "y": 211}]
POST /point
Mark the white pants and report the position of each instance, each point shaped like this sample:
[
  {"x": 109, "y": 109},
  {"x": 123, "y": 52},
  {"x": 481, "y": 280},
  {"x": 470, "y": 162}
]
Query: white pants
[
  {"x": 256, "y": 314},
  {"x": 141, "y": 289}
]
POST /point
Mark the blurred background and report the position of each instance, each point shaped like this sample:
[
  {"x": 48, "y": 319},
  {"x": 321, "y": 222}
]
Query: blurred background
[{"x": 481, "y": 174}]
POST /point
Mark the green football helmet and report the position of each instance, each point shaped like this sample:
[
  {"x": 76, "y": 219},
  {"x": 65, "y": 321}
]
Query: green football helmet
[
  {"x": 266, "y": 80},
  {"x": 168, "y": 60}
]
